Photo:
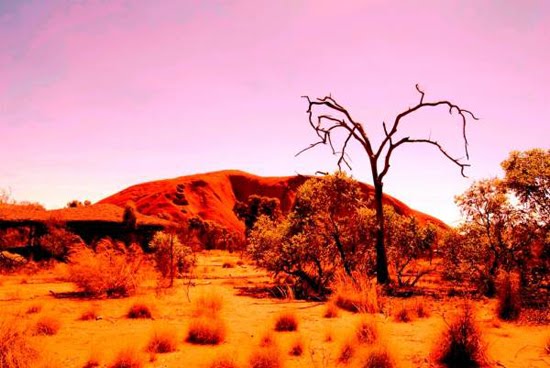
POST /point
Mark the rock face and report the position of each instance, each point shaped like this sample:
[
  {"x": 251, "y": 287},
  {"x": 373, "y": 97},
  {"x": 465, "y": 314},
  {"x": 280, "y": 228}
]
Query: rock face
[{"x": 213, "y": 195}]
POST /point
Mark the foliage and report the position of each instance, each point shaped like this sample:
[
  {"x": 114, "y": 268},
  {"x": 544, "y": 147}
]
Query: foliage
[
  {"x": 461, "y": 344},
  {"x": 527, "y": 175},
  {"x": 506, "y": 226},
  {"x": 322, "y": 234},
  {"x": 255, "y": 207},
  {"x": 110, "y": 271},
  {"x": 16, "y": 348},
  {"x": 172, "y": 258},
  {"x": 58, "y": 241},
  {"x": 407, "y": 241},
  {"x": 211, "y": 235},
  {"x": 76, "y": 203},
  {"x": 509, "y": 300},
  {"x": 129, "y": 217}
]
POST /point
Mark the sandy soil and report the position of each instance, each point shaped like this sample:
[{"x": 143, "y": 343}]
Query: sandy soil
[{"x": 247, "y": 318}]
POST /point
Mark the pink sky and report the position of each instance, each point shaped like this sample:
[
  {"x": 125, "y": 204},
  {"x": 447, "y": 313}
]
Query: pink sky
[{"x": 96, "y": 96}]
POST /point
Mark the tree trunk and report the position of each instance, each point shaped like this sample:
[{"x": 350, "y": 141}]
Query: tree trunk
[{"x": 382, "y": 274}]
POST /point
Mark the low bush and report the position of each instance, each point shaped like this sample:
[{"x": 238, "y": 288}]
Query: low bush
[
  {"x": 35, "y": 308},
  {"x": 366, "y": 331},
  {"x": 47, "y": 325},
  {"x": 16, "y": 349},
  {"x": 163, "y": 340},
  {"x": 268, "y": 357},
  {"x": 140, "y": 310},
  {"x": 421, "y": 310},
  {"x": 403, "y": 314},
  {"x": 128, "y": 357},
  {"x": 223, "y": 362},
  {"x": 90, "y": 314},
  {"x": 331, "y": 310},
  {"x": 461, "y": 343},
  {"x": 355, "y": 296},
  {"x": 286, "y": 321},
  {"x": 297, "y": 347},
  {"x": 267, "y": 339},
  {"x": 208, "y": 304},
  {"x": 347, "y": 351},
  {"x": 206, "y": 331},
  {"x": 111, "y": 271},
  {"x": 376, "y": 357}
]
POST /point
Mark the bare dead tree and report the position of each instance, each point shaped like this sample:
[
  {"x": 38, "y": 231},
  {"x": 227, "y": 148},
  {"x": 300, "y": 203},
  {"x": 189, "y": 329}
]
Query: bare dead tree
[{"x": 325, "y": 125}]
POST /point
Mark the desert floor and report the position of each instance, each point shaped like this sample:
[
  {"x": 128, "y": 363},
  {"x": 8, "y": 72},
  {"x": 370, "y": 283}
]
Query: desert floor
[{"x": 247, "y": 319}]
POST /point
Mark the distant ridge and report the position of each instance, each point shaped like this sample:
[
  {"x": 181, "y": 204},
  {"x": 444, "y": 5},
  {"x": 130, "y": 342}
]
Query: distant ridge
[{"x": 213, "y": 195}]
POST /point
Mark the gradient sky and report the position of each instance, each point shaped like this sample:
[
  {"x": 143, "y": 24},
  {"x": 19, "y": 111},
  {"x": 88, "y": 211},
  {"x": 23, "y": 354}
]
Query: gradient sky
[{"x": 99, "y": 95}]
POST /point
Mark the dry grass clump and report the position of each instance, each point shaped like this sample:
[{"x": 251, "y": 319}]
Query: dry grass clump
[
  {"x": 223, "y": 362},
  {"x": 366, "y": 331},
  {"x": 286, "y": 321},
  {"x": 297, "y": 347},
  {"x": 267, "y": 357},
  {"x": 16, "y": 349},
  {"x": 331, "y": 310},
  {"x": 509, "y": 300},
  {"x": 35, "y": 308},
  {"x": 403, "y": 314},
  {"x": 90, "y": 314},
  {"x": 461, "y": 344},
  {"x": 267, "y": 339},
  {"x": 163, "y": 340},
  {"x": 206, "y": 331},
  {"x": 347, "y": 351},
  {"x": 47, "y": 325},
  {"x": 111, "y": 271},
  {"x": 355, "y": 296},
  {"x": 376, "y": 357},
  {"x": 93, "y": 361},
  {"x": 208, "y": 304},
  {"x": 547, "y": 345},
  {"x": 421, "y": 310},
  {"x": 228, "y": 265},
  {"x": 140, "y": 310},
  {"x": 128, "y": 357}
]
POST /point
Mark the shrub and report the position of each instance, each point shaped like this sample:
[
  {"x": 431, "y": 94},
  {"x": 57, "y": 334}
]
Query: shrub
[
  {"x": 267, "y": 339},
  {"x": 139, "y": 310},
  {"x": 331, "y": 310},
  {"x": 206, "y": 331},
  {"x": 47, "y": 325},
  {"x": 89, "y": 314},
  {"x": 163, "y": 340},
  {"x": 421, "y": 310},
  {"x": 366, "y": 332},
  {"x": 93, "y": 361},
  {"x": 111, "y": 271},
  {"x": 377, "y": 357},
  {"x": 269, "y": 357},
  {"x": 16, "y": 351},
  {"x": 509, "y": 301},
  {"x": 208, "y": 304},
  {"x": 461, "y": 343},
  {"x": 347, "y": 351},
  {"x": 172, "y": 257},
  {"x": 297, "y": 347},
  {"x": 223, "y": 362},
  {"x": 403, "y": 314},
  {"x": 286, "y": 322},
  {"x": 35, "y": 308},
  {"x": 128, "y": 357},
  {"x": 356, "y": 296}
]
